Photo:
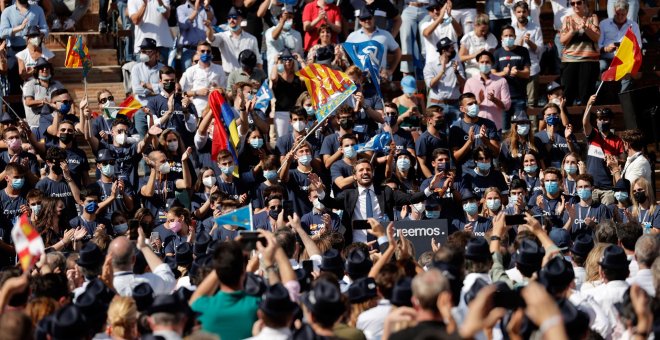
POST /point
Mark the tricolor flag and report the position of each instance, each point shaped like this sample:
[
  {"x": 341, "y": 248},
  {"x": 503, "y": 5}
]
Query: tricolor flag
[
  {"x": 225, "y": 132},
  {"x": 367, "y": 56},
  {"x": 27, "y": 241},
  {"x": 77, "y": 55},
  {"x": 264, "y": 96},
  {"x": 129, "y": 106},
  {"x": 241, "y": 217},
  {"x": 627, "y": 60},
  {"x": 328, "y": 88}
]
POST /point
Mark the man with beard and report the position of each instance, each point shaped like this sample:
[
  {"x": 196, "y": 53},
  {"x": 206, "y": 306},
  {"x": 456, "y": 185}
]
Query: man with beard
[{"x": 529, "y": 36}]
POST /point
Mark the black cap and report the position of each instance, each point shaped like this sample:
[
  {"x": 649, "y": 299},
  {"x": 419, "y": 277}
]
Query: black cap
[
  {"x": 443, "y": 43},
  {"x": 200, "y": 261},
  {"x": 213, "y": 245},
  {"x": 485, "y": 52},
  {"x": 553, "y": 86},
  {"x": 520, "y": 117},
  {"x": 42, "y": 62},
  {"x": 184, "y": 254},
  {"x": 402, "y": 292},
  {"x": 90, "y": 256},
  {"x": 582, "y": 245},
  {"x": 202, "y": 241},
  {"x": 68, "y": 323},
  {"x": 170, "y": 304},
  {"x": 467, "y": 194},
  {"x": 234, "y": 12},
  {"x": 247, "y": 58},
  {"x": 477, "y": 285},
  {"x": 365, "y": 13},
  {"x": 286, "y": 53},
  {"x": 477, "y": 249},
  {"x": 149, "y": 44},
  {"x": 143, "y": 295},
  {"x": 97, "y": 288},
  {"x": 556, "y": 275},
  {"x": 358, "y": 263},
  {"x": 530, "y": 254},
  {"x": 255, "y": 285},
  {"x": 33, "y": 31},
  {"x": 614, "y": 258},
  {"x": 622, "y": 185},
  {"x": 276, "y": 300},
  {"x": 106, "y": 155},
  {"x": 561, "y": 238},
  {"x": 433, "y": 4},
  {"x": 332, "y": 261},
  {"x": 325, "y": 55},
  {"x": 324, "y": 297},
  {"x": 362, "y": 290}
]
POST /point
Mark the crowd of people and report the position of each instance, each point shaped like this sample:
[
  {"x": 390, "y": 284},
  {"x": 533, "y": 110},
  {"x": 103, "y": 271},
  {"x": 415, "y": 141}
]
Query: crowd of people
[{"x": 551, "y": 226}]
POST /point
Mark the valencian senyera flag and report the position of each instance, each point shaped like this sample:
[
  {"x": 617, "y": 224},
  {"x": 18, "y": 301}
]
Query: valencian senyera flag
[
  {"x": 77, "y": 55},
  {"x": 627, "y": 60},
  {"x": 27, "y": 242},
  {"x": 328, "y": 88},
  {"x": 225, "y": 132}
]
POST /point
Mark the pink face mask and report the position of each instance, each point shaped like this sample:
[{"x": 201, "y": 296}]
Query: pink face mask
[
  {"x": 175, "y": 226},
  {"x": 15, "y": 144}
]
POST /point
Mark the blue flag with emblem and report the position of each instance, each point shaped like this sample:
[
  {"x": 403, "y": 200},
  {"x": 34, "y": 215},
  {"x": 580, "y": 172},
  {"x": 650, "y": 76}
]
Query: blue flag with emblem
[
  {"x": 377, "y": 143},
  {"x": 241, "y": 217},
  {"x": 264, "y": 96},
  {"x": 367, "y": 56}
]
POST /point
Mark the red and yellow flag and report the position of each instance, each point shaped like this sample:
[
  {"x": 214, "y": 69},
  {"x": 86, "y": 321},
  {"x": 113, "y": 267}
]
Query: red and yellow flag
[
  {"x": 27, "y": 242},
  {"x": 328, "y": 88},
  {"x": 129, "y": 106},
  {"x": 627, "y": 60}
]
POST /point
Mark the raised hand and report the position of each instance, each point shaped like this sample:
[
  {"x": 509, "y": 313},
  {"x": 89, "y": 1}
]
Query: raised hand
[{"x": 186, "y": 154}]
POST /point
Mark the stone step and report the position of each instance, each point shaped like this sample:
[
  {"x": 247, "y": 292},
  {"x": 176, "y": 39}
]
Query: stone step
[
  {"x": 100, "y": 56},
  {"x": 98, "y": 74}
]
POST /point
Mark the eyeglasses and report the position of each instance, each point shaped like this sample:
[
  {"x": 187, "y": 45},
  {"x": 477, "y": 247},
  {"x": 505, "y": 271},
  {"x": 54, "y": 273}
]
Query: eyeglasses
[
  {"x": 111, "y": 162},
  {"x": 576, "y": 3},
  {"x": 106, "y": 99}
]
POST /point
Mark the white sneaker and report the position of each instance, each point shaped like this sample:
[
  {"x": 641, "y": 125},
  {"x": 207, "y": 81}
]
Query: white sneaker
[
  {"x": 69, "y": 24},
  {"x": 57, "y": 25}
]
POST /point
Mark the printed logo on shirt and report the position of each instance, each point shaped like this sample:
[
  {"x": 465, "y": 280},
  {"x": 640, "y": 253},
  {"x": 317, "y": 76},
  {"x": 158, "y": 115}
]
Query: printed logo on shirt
[
  {"x": 315, "y": 229},
  {"x": 595, "y": 151}
]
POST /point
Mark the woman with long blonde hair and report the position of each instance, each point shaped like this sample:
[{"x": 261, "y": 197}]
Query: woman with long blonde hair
[
  {"x": 592, "y": 279},
  {"x": 122, "y": 318},
  {"x": 492, "y": 202},
  {"x": 643, "y": 209}
]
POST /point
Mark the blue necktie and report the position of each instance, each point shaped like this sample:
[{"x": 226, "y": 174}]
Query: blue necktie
[{"x": 370, "y": 208}]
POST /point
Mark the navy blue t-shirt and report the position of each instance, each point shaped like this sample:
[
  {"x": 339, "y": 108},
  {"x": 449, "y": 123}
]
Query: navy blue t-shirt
[
  {"x": 596, "y": 211},
  {"x": 78, "y": 164},
  {"x": 553, "y": 153},
  {"x": 62, "y": 191},
  {"x": 340, "y": 169},
  {"x": 479, "y": 227},
  {"x": 118, "y": 203},
  {"x": 518, "y": 57},
  {"x": 297, "y": 187},
  {"x": 90, "y": 225},
  {"x": 426, "y": 143},
  {"x": 11, "y": 208},
  {"x": 479, "y": 183},
  {"x": 161, "y": 200},
  {"x": 126, "y": 160},
  {"x": 286, "y": 143},
  {"x": 313, "y": 222},
  {"x": 458, "y": 135}
]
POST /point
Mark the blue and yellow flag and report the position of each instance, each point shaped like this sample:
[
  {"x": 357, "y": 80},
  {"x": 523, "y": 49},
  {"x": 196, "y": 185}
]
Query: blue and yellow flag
[
  {"x": 77, "y": 55},
  {"x": 328, "y": 88},
  {"x": 225, "y": 133},
  {"x": 241, "y": 217}
]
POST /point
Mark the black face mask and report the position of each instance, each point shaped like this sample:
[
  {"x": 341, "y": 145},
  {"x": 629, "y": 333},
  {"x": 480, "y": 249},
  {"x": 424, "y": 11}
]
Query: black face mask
[
  {"x": 169, "y": 86},
  {"x": 640, "y": 196},
  {"x": 23, "y": 2},
  {"x": 56, "y": 169},
  {"x": 452, "y": 55},
  {"x": 346, "y": 124},
  {"x": 274, "y": 213},
  {"x": 66, "y": 138},
  {"x": 439, "y": 125}
]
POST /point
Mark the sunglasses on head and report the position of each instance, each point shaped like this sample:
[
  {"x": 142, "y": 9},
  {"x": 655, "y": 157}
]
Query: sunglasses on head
[
  {"x": 286, "y": 58},
  {"x": 106, "y": 99}
]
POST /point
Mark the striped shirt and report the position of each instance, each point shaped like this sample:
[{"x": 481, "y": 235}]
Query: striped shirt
[{"x": 581, "y": 48}]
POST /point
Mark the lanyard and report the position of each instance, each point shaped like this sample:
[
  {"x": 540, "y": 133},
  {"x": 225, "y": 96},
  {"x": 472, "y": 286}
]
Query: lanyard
[
  {"x": 552, "y": 210},
  {"x": 570, "y": 192},
  {"x": 646, "y": 218},
  {"x": 580, "y": 214}
]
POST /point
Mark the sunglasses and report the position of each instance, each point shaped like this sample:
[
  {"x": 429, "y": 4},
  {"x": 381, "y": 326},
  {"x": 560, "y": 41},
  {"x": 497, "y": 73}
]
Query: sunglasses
[
  {"x": 106, "y": 99},
  {"x": 275, "y": 207},
  {"x": 232, "y": 17},
  {"x": 285, "y": 59},
  {"x": 70, "y": 102},
  {"x": 366, "y": 19},
  {"x": 576, "y": 3},
  {"x": 107, "y": 162}
]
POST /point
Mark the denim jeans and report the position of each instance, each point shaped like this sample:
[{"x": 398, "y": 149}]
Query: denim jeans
[
  {"x": 633, "y": 9},
  {"x": 411, "y": 17},
  {"x": 127, "y": 24}
]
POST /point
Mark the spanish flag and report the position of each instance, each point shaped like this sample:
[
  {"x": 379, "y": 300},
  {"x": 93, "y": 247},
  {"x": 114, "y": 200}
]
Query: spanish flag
[
  {"x": 129, "y": 106},
  {"x": 225, "y": 132},
  {"x": 328, "y": 88},
  {"x": 627, "y": 60}
]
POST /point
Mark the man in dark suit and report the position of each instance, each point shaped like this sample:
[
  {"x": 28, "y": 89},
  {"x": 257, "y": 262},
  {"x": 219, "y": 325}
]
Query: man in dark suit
[{"x": 367, "y": 201}]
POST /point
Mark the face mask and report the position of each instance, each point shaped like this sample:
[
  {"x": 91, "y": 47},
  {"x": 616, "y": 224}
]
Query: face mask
[
  {"x": 287, "y": 25},
  {"x": 508, "y": 41},
  {"x": 432, "y": 214},
  {"x": 299, "y": 126},
  {"x": 45, "y": 78},
  {"x": 584, "y": 194},
  {"x": 66, "y": 138},
  {"x": 552, "y": 120},
  {"x": 603, "y": 126},
  {"x": 318, "y": 205},
  {"x": 419, "y": 207},
  {"x": 452, "y": 55},
  {"x": 65, "y": 108},
  {"x": 410, "y": 94},
  {"x": 530, "y": 169},
  {"x": 56, "y": 169},
  {"x": 346, "y": 124},
  {"x": 17, "y": 183},
  {"x": 391, "y": 120},
  {"x": 310, "y": 110},
  {"x": 280, "y": 68},
  {"x": 555, "y": 101},
  {"x": 274, "y": 213},
  {"x": 483, "y": 166},
  {"x": 513, "y": 199},
  {"x": 570, "y": 169},
  {"x": 235, "y": 28},
  {"x": 349, "y": 152},
  {"x": 120, "y": 229},
  {"x": 120, "y": 138},
  {"x": 621, "y": 196},
  {"x": 165, "y": 168},
  {"x": 470, "y": 208},
  {"x": 91, "y": 207},
  {"x": 35, "y": 209},
  {"x": 108, "y": 170},
  {"x": 257, "y": 142},
  {"x": 175, "y": 226},
  {"x": 169, "y": 86},
  {"x": 551, "y": 187},
  {"x": 206, "y": 58},
  {"x": 15, "y": 144},
  {"x": 36, "y": 41},
  {"x": 208, "y": 181},
  {"x": 227, "y": 170},
  {"x": 143, "y": 58},
  {"x": 523, "y": 129},
  {"x": 403, "y": 164},
  {"x": 473, "y": 110},
  {"x": 270, "y": 175},
  {"x": 442, "y": 167},
  {"x": 494, "y": 204},
  {"x": 172, "y": 146},
  {"x": 484, "y": 68},
  {"x": 640, "y": 197},
  {"x": 305, "y": 160}
]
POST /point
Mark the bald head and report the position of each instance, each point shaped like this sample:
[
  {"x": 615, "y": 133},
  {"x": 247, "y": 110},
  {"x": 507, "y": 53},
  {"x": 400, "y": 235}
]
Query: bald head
[
  {"x": 427, "y": 286},
  {"x": 123, "y": 253},
  {"x": 647, "y": 249}
]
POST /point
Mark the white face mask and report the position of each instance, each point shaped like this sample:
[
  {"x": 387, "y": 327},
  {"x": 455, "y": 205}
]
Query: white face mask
[
  {"x": 299, "y": 126},
  {"x": 36, "y": 41},
  {"x": 120, "y": 139},
  {"x": 419, "y": 207},
  {"x": 164, "y": 168},
  {"x": 173, "y": 146},
  {"x": 143, "y": 58},
  {"x": 318, "y": 205},
  {"x": 112, "y": 113},
  {"x": 208, "y": 181}
]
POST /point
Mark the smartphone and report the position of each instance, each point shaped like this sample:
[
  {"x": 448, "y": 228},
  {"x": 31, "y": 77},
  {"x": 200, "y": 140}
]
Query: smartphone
[
  {"x": 133, "y": 226},
  {"x": 361, "y": 225},
  {"x": 249, "y": 240},
  {"x": 508, "y": 298},
  {"x": 287, "y": 206},
  {"x": 514, "y": 219},
  {"x": 308, "y": 266},
  {"x": 154, "y": 236}
]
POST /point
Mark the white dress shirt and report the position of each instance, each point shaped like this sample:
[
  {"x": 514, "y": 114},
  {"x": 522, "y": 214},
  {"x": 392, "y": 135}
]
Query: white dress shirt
[
  {"x": 644, "y": 279},
  {"x": 196, "y": 77},
  {"x": 268, "y": 333},
  {"x": 231, "y": 46},
  {"x": 633, "y": 266},
  {"x": 372, "y": 321},
  {"x": 360, "y": 212},
  {"x": 536, "y": 36},
  {"x": 161, "y": 280},
  {"x": 598, "y": 321},
  {"x": 580, "y": 276},
  {"x": 637, "y": 166},
  {"x": 611, "y": 33},
  {"x": 608, "y": 294}
]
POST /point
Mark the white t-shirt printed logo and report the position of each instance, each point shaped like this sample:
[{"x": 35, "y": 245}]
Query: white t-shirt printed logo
[{"x": 596, "y": 151}]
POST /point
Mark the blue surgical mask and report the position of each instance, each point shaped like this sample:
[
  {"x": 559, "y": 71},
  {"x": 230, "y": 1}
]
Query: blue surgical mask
[
  {"x": 513, "y": 200},
  {"x": 403, "y": 164},
  {"x": 473, "y": 110},
  {"x": 483, "y": 166},
  {"x": 584, "y": 193},
  {"x": 35, "y": 209},
  {"x": 280, "y": 68},
  {"x": 494, "y": 204},
  {"x": 206, "y": 58},
  {"x": 45, "y": 78},
  {"x": 108, "y": 170},
  {"x": 470, "y": 208},
  {"x": 305, "y": 159},
  {"x": 551, "y": 187},
  {"x": 120, "y": 229},
  {"x": 91, "y": 207},
  {"x": 349, "y": 152},
  {"x": 17, "y": 183},
  {"x": 508, "y": 41},
  {"x": 484, "y": 68},
  {"x": 552, "y": 120},
  {"x": 65, "y": 108},
  {"x": 329, "y": 2},
  {"x": 257, "y": 143},
  {"x": 310, "y": 110},
  {"x": 530, "y": 169},
  {"x": 391, "y": 120},
  {"x": 621, "y": 196},
  {"x": 235, "y": 28},
  {"x": 287, "y": 25},
  {"x": 570, "y": 168},
  {"x": 227, "y": 170},
  {"x": 432, "y": 214},
  {"x": 270, "y": 175},
  {"x": 523, "y": 129}
]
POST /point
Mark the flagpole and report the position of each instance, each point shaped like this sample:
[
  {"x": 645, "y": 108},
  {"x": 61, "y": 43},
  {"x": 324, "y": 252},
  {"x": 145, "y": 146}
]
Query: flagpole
[
  {"x": 305, "y": 138},
  {"x": 596, "y": 94},
  {"x": 10, "y": 108}
]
